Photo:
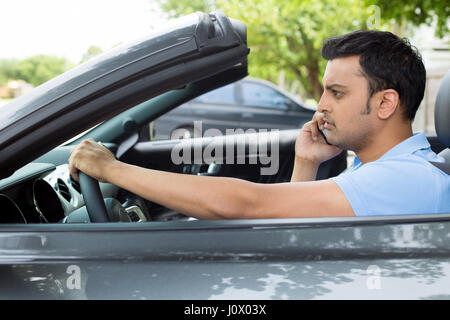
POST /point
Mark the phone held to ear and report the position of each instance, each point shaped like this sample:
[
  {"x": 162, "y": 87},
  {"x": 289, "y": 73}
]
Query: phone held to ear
[{"x": 324, "y": 135}]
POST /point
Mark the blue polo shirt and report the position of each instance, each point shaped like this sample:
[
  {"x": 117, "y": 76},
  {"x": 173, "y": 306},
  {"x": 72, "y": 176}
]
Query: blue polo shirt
[{"x": 402, "y": 181}]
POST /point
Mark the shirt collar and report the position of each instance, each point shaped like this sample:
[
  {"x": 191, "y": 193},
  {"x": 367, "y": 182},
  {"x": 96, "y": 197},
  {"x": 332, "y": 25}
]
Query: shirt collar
[{"x": 416, "y": 142}]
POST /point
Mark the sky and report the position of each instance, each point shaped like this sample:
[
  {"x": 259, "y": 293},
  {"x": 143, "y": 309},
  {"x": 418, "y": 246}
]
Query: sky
[{"x": 67, "y": 28}]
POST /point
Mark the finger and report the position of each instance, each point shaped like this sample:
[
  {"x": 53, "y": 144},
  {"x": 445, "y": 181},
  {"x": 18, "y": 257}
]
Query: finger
[
  {"x": 314, "y": 130},
  {"x": 103, "y": 147},
  {"x": 75, "y": 176},
  {"x": 72, "y": 168},
  {"x": 87, "y": 142},
  {"x": 73, "y": 172},
  {"x": 311, "y": 128},
  {"x": 319, "y": 117}
]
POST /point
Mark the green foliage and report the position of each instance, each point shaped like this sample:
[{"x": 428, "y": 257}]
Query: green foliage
[
  {"x": 91, "y": 52},
  {"x": 8, "y": 70},
  {"x": 288, "y": 35},
  {"x": 176, "y": 8},
  {"x": 35, "y": 70},
  {"x": 41, "y": 68},
  {"x": 416, "y": 12}
]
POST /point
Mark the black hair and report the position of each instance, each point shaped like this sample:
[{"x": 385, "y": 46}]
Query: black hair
[{"x": 387, "y": 61}]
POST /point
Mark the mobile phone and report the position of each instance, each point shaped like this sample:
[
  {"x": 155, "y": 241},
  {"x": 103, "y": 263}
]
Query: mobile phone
[{"x": 324, "y": 137}]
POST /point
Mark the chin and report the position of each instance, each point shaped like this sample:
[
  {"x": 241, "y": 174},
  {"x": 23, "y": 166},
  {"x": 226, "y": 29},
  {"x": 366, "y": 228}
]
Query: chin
[{"x": 333, "y": 140}]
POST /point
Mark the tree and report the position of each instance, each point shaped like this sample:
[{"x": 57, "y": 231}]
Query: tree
[
  {"x": 8, "y": 70},
  {"x": 175, "y": 8},
  {"x": 35, "y": 70},
  {"x": 416, "y": 12},
  {"x": 41, "y": 68},
  {"x": 287, "y": 35},
  {"x": 91, "y": 52}
]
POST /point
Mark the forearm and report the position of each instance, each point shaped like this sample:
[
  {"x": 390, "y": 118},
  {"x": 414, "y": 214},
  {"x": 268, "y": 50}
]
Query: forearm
[
  {"x": 304, "y": 170},
  {"x": 202, "y": 197}
]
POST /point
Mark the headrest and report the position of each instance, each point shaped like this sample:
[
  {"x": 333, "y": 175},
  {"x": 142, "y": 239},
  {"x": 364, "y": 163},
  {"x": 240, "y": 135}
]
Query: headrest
[{"x": 442, "y": 111}]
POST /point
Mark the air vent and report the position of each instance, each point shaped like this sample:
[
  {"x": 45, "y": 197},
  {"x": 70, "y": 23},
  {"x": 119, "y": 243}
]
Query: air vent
[
  {"x": 64, "y": 190},
  {"x": 75, "y": 185},
  {"x": 133, "y": 216}
]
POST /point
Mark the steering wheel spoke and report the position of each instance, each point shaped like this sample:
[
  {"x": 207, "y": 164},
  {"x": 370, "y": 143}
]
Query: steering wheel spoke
[{"x": 93, "y": 198}]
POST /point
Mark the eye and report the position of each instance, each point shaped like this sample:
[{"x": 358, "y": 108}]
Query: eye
[{"x": 336, "y": 93}]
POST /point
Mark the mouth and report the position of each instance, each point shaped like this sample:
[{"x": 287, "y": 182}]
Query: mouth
[{"x": 328, "y": 125}]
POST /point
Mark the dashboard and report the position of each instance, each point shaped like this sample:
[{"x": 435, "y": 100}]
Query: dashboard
[{"x": 43, "y": 193}]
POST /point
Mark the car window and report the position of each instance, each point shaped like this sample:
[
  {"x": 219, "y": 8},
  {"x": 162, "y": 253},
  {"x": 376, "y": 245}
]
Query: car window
[
  {"x": 255, "y": 94},
  {"x": 223, "y": 95}
]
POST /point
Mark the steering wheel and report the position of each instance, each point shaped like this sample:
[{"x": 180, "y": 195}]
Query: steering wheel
[{"x": 93, "y": 198}]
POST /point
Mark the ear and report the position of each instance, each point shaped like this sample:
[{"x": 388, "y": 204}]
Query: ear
[{"x": 389, "y": 102}]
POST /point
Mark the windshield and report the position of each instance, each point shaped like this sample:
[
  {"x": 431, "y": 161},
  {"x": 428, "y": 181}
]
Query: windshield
[{"x": 176, "y": 33}]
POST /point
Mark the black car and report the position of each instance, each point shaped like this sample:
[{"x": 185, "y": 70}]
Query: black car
[
  {"x": 53, "y": 247},
  {"x": 246, "y": 104}
]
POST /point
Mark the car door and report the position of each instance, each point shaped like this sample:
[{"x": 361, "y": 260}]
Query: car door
[
  {"x": 216, "y": 109},
  {"x": 263, "y": 107}
]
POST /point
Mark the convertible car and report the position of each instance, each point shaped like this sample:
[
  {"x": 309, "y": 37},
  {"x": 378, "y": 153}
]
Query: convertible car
[{"x": 60, "y": 239}]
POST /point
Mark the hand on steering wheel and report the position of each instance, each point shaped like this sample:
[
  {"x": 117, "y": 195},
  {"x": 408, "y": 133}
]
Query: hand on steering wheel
[
  {"x": 88, "y": 161},
  {"x": 93, "y": 198}
]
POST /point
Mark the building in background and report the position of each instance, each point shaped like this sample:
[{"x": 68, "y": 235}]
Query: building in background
[
  {"x": 14, "y": 89},
  {"x": 436, "y": 56}
]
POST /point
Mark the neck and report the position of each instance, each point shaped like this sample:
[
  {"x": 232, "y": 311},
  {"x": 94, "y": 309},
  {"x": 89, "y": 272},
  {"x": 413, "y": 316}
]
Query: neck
[{"x": 382, "y": 143}]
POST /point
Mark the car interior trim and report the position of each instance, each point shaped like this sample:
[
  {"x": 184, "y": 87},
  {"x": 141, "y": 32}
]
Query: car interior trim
[
  {"x": 303, "y": 223},
  {"x": 14, "y": 204}
]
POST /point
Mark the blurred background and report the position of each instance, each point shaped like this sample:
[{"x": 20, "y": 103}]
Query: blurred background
[{"x": 42, "y": 39}]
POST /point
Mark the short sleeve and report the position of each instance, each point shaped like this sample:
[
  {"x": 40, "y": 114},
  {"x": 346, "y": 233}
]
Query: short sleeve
[{"x": 391, "y": 187}]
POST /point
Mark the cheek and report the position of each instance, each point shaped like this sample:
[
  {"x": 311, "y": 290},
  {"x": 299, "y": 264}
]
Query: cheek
[{"x": 350, "y": 113}]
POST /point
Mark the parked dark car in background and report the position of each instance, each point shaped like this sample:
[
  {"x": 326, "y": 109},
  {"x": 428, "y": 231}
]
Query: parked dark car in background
[{"x": 246, "y": 104}]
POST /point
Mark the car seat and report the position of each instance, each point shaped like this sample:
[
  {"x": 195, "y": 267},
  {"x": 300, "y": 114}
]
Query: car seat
[{"x": 442, "y": 122}]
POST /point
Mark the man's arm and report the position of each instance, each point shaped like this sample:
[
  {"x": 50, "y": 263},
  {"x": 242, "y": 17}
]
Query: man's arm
[
  {"x": 202, "y": 197},
  {"x": 304, "y": 170},
  {"x": 206, "y": 197}
]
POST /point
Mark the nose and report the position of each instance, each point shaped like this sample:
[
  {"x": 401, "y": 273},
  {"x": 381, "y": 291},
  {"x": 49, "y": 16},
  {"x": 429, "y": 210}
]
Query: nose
[{"x": 323, "y": 106}]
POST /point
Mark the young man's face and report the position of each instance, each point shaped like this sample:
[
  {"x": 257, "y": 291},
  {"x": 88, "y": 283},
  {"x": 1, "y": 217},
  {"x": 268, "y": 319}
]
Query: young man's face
[{"x": 344, "y": 103}]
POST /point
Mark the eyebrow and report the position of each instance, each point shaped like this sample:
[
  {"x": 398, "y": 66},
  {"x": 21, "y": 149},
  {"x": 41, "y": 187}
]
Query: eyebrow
[{"x": 333, "y": 85}]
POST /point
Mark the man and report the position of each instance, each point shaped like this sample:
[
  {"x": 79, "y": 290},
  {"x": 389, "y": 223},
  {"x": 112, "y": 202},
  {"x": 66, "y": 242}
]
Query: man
[{"x": 373, "y": 85}]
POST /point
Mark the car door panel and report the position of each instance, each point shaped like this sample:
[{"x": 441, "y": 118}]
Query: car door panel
[
  {"x": 349, "y": 258},
  {"x": 271, "y": 118},
  {"x": 158, "y": 155},
  {"x": 174, "y": 119},
  {"x": 219, "y": 116},
  {"x": 264, "y": 107},
  {"x": 216, "y": 110}
]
